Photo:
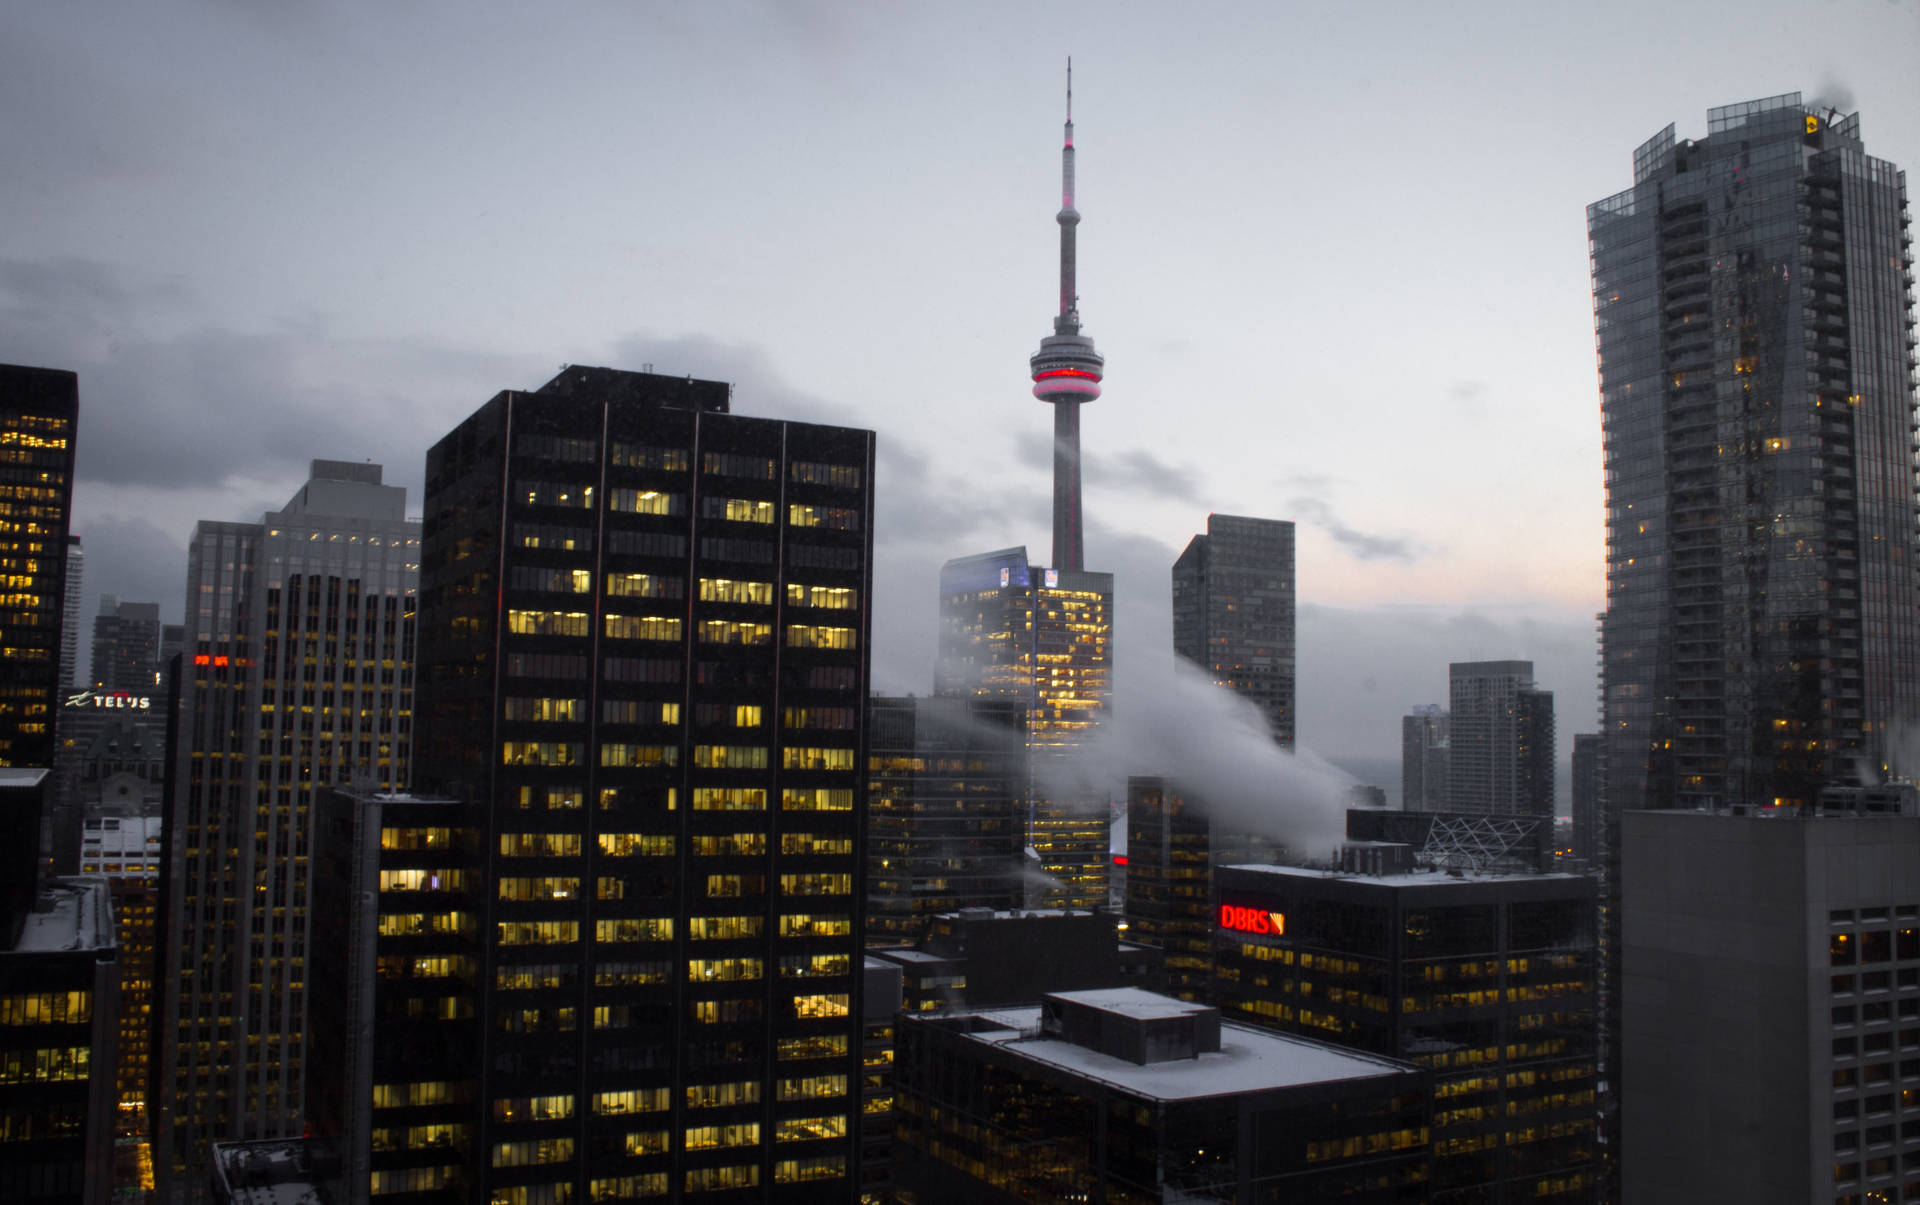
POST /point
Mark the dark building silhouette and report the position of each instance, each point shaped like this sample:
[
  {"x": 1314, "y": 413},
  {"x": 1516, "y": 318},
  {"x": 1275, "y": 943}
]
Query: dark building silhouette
[
  {"x": 1486, "y": 980},
  {"x": 643, "y": 658},
  {"x": 394, "y": 1040},
  {"x": 298, "y": 675},
  {"x": 1233, "y": 612},
  {"x": 946, "y": 777},
  {"x": 126, "y": 646},
  {"x": 1500, "y": 743},
  {"x": 1424, "y": 759},
  {"x": 39, "y": 408},
  {"x": 70, "y": 622},
  {"x": 1588, "y": 750},
  {"x": 977, "y": 957}
]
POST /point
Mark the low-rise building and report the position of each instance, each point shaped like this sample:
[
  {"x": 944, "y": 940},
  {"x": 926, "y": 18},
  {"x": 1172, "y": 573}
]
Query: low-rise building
[{"x": 1123, "y": 1095}]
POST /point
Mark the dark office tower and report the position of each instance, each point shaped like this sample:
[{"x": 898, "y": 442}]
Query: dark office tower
[
  {"x": 70, "y": 615},
  {"x": 393, "y": 1044},
  {"x": 1533, "y": 728},
  {"x": 1233, "y": 612},
  {"x": 38, "y": 410},
  {"x": 1500, "y": 751},
  {"x": 1424, "y": 759},
  {"x": 1586, "y": 792},
  {"x": 297, "y": 677},
  {"x": 1040, "y": 638},
  {"x": 126, "y": 646},
  {"x": 643, "y": 655},
  {"x": 1754, "y": 308},
  {"x": 945, "y": 781},
  {"x": 1066, "y": 374}
]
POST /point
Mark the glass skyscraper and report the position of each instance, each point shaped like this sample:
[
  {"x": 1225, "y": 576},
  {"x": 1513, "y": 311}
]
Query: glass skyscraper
[
  {"x": 1041, "y": 638},
  {"x": 946, "y": 781},
  {"x": 1753, "y": 309},
  {"x": 1233, "y": 612}
]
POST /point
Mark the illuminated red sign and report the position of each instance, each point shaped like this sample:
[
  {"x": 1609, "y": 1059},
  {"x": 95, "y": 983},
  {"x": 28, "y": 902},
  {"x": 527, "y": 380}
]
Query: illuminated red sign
[{"x": 1252, "y": 920}]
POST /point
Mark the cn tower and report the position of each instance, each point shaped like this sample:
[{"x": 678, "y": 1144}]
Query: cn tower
[{"x": 1066, "y": 374}]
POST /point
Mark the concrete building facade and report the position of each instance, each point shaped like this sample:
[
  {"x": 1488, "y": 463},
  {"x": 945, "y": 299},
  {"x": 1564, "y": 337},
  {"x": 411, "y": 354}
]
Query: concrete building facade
[{"x": 1770, "y": 1007}]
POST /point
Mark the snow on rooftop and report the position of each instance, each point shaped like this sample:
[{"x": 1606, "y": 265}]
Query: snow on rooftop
[
  {"x": 268, "y": 1172},
  {"x": 1249, "y": 1059},
  {"x": 1412, "y": 878},
  {"x": 911, "y": 956},
  {"x": 70, "y": 914},
  {"x": 21, "y": 776},
  {"x": 1133, "y": 1002}
]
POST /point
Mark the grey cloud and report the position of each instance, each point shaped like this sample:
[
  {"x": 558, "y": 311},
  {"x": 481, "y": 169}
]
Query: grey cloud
[
  {"x": 208, "y": 405},
  {"x": 1364, "y": 545},
  {"x": 758, "y": 387},
  {"x": 1313, "y": 483},
  {"x": 1136, "y": 469},
  {"x": 130, "y": 558}
]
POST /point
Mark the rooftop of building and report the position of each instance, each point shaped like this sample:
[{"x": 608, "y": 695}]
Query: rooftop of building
[
  {"x": 21, "y": 776},
  {"x": 993, "y": 914},
  {"x": 270, "y": 1172},
  {"x": 1133, "y": 1002},
  {"x": 907, "y": 955},
  {"x": 408, "y": 797},
  {"x": 1249, "y": 1059},
  {"x": 1424, "y": 877},
  {"x": 69, "y": 914}
]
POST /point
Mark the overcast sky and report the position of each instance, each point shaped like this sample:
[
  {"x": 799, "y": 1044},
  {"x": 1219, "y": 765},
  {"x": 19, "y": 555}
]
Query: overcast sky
[{"x": 1335, "y": 256}]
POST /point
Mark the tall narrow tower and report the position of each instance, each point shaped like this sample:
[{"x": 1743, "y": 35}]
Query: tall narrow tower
[{"x": 1066, "y": 373}]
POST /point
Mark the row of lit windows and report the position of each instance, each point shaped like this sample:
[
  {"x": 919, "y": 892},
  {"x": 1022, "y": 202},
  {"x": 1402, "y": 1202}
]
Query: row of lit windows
[
  {"x": 413, "y": 924},
  {"x": 46, "y": 1008},
  {"x": 424, "y": 1092},
  {"x": 47, "y": 1065}
]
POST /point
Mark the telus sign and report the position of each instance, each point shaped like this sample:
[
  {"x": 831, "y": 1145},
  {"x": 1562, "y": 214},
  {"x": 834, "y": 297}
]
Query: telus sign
[
  {"x": 1252, "y": 920},
  {"x": 116, "y": 698}
]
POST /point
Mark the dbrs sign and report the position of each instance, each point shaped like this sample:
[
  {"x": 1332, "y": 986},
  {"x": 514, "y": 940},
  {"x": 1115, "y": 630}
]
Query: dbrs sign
[{"x": 1252, "y": 920}]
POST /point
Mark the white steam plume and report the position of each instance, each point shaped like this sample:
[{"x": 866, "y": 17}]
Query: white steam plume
[{"x": 1171, "y": 720}]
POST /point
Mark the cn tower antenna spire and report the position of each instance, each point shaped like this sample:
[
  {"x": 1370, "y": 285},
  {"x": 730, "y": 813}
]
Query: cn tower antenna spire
[{"x": 1067, "y": 371}]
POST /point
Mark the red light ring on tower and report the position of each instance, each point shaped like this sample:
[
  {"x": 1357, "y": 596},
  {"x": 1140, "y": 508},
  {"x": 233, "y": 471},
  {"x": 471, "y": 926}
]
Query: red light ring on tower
[
  {"x": 1050, "y": 373},
  {"x": 1085, "y": 390}
]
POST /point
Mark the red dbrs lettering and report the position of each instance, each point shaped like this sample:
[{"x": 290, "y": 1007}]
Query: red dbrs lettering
[{"x": 1252, "y": 920}]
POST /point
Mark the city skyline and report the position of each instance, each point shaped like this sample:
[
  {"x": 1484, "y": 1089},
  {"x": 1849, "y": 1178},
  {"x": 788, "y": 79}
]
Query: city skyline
[{"x": 308, "y": 274}]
